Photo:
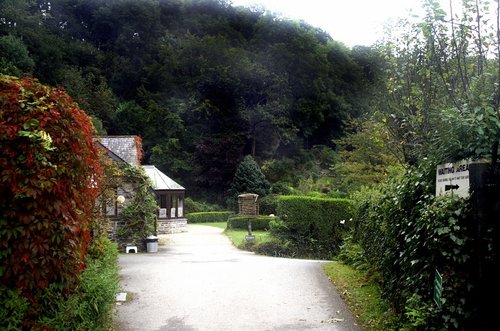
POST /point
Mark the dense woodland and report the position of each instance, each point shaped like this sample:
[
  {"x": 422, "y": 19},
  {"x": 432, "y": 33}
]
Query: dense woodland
[{"x": 203, "y": 83}]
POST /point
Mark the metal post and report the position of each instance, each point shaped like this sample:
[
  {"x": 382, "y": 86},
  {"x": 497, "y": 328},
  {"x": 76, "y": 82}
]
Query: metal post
[{"x": 249, "y": 226}]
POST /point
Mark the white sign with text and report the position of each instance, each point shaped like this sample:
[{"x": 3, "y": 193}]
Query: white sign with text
[{"x": 453, "y": 179}]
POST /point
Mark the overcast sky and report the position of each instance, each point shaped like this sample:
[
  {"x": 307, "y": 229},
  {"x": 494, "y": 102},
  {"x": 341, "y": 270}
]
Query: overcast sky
[{"x": 353, "y": 22}]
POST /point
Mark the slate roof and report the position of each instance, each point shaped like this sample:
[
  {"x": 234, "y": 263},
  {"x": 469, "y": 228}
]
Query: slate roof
[
  {"x": 108, "y": 152},
  {"x": 160, "y": 180},
  {"x": 128, "y": 148}
]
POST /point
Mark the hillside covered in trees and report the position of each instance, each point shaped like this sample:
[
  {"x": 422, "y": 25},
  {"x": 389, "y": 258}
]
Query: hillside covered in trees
[{"x": 202, "y": 82}]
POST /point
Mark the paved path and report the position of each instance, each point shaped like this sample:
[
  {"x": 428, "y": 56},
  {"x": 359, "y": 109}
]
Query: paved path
[{"x": 199, "y": 281}]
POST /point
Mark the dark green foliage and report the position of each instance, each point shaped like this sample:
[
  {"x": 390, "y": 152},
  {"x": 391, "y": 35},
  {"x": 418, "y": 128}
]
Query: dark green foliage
[
  {"x": 249, "y": 179},
  {"x": 194, "y": 206},
  {"x": 139, "y": 216},
  {"x": 406, "y": 234},
  {"x": 352, "y": 253},
  {"x": 14, "y": 57},
  {"x": 281, "y": 248},
  {"x": 12, "y": 309},
  {"x": 241, "y": 222},
  {"x": 208, "y": 217},
  {"x": 268, "y": 205},
  {"x": 316, "y": 223}
]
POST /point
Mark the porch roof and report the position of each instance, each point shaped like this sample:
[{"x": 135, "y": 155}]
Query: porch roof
[{"x": 160, "y": 180}]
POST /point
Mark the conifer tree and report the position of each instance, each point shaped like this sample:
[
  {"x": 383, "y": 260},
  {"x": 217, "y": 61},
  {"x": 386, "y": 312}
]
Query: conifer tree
[{"x": 249, "y": 179}]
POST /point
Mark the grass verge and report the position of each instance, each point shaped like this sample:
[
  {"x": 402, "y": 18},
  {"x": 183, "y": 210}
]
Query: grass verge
[{"x": 361, "y": 295}]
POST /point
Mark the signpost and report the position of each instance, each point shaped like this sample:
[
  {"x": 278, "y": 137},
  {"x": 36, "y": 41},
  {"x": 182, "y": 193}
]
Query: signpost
[
  {"x": 438, "y": 289},
  {"x": 249, "y": 207},
  {"x": 250, "y": 236}
]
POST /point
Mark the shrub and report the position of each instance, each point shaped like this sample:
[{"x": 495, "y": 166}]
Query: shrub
[
  {"x": 316, "y": 222},
  {"x": 282, "y": 188},
  {"x": 12, "y": 309},
  {"x": 268, "y": 205},
  {"x": 208, "y": 217},
  {"x": 50, "y": 171},
  {"x": 352, "y": 253},
  {"x": 241, "y": 222},
  {"x": 192, "y": 206},
  {"x": 90, "y": 306},
  {"x": 278, "y": 248}
]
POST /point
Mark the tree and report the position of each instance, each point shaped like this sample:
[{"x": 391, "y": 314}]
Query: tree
[
  {"x": 440, "y": 80},
  {"x": 14, "y": 57},
  {"x": 249, "y": 179},
  {"x": 50, "y": 172},
  {"x": 366, "y": 157}
]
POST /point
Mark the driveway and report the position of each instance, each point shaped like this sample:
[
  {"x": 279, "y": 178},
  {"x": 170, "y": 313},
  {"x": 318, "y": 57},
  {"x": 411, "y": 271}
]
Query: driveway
[{"x": 199, "y": 281}]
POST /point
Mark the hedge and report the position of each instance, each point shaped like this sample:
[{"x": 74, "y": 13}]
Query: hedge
[
  {"x": 208, "y": 217},
  {"x": 407, "y": 234},
  {"x": 241, "y": 222},
  {"x": 319, "y": 223}
]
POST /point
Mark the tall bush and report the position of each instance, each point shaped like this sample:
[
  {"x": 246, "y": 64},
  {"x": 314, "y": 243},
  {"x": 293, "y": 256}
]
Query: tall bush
[
  {"x": 407, "y": 234},
  {"x": 49, "y": 174}
]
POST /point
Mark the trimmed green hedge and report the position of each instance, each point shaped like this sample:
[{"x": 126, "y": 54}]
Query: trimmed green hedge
[
  {"x": 241, "y": 222},
  {"x": 208, "y": 217},
  {"x": 318, "y": 224}
]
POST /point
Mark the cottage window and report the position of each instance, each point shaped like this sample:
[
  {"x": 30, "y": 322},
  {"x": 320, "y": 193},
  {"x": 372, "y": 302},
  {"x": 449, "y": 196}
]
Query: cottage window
[
  {"x": 180, "y": 208},
  {"x": 163, "y": 206},
  {"x": 173, "y": 206}
]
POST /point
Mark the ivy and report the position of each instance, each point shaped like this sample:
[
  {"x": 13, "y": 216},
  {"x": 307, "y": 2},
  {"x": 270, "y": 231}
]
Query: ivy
[
  {"x": 138, "y": 218},
  {"x": 406, "y": 234}
]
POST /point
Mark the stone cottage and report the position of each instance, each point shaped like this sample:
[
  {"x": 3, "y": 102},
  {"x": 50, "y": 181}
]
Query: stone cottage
[{"x": 169, "y": 194}]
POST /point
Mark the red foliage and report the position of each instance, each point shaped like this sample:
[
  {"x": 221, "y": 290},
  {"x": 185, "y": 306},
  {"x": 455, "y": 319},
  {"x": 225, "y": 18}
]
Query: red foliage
[
  {"x": 138, "y": 143},
  {"x": 49, "y": 171}
]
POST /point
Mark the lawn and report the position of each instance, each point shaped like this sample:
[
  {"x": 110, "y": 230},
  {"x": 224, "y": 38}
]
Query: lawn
[{"x": 237, "y": 236}]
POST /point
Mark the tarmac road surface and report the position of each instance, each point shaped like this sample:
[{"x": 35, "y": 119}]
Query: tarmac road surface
[{"x": 199, "y": 281}]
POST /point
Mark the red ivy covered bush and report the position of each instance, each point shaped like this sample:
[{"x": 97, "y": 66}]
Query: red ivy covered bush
[{"x": 49, "y": 171}]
